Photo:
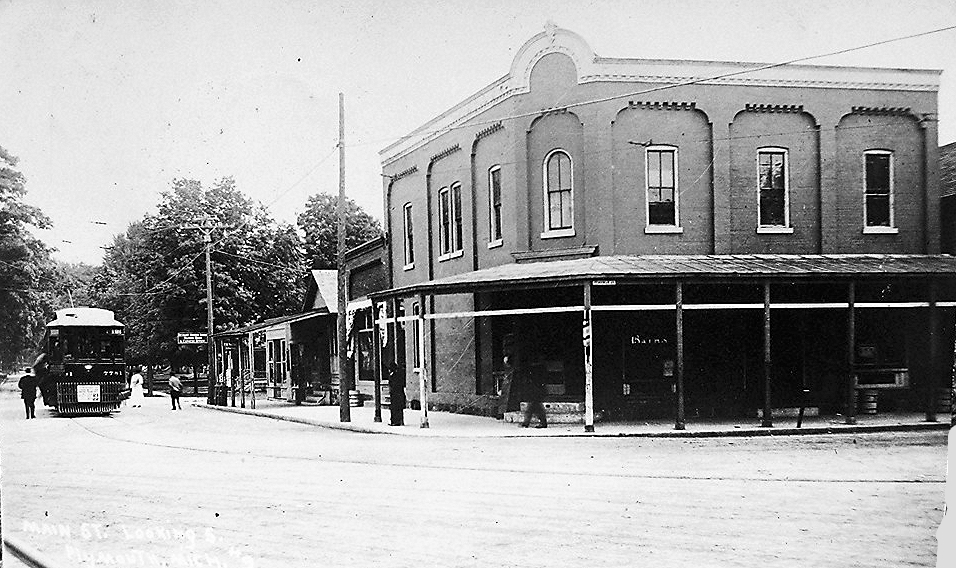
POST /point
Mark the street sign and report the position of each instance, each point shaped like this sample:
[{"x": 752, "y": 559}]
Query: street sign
[{"x": 191, "y": 338}]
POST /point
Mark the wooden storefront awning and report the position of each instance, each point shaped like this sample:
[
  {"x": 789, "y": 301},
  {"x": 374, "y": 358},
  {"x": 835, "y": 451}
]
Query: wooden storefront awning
[{"x": 694, "y": 267}]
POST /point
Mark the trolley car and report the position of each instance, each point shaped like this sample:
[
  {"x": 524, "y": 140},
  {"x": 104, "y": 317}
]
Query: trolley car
[{"x": 82, "y": 369}]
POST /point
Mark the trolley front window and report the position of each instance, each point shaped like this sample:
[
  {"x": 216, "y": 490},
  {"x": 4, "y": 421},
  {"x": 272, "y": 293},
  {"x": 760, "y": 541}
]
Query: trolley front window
[{"x": 86, "y": 345}]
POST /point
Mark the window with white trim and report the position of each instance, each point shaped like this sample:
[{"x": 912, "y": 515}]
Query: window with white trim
[
  {"x": 558, "y": 194},
  {"x": 494, "y": 205},
  {"x": 773, "y": 187},
  {"x": 877, "y": 188},
  {"x": 449, "y": 222},
  {"x": 661, "y": 191},
  {"x": 409, "y": 236}
]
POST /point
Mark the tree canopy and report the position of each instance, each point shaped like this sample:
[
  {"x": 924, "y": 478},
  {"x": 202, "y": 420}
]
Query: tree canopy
[
  {"x": 319, "y": 222},
  {"x": 153, "y": 275},
  {"x": 29, "y": 279}
]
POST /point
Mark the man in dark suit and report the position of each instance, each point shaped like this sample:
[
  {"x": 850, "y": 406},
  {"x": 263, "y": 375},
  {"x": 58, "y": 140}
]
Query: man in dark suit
[{"x": 28, "y": 392}]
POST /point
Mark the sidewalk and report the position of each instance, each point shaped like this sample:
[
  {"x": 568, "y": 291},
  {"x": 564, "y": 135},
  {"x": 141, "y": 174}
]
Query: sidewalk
[{"x": 446, "y": 424}]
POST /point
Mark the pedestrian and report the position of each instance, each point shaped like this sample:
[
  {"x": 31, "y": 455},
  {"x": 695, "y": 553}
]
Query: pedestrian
[
  {"x": 535, "y": 394},
  {"x": 396, "y": 394},
  {"x": 28, "y": 392},
  {"x": 136, "y": 389},
  {"x": 175, "y": 390}
]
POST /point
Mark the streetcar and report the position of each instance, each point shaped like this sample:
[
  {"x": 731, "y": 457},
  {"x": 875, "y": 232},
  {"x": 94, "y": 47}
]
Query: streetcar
[{"x": 82, "y": 366}]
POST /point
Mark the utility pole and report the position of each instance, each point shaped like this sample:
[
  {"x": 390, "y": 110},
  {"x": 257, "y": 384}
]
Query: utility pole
[
  {"x": 206, "y": 229},
  {"x": 210, "y": 343},
  {"x": 345, "y": 414},
  {"x": 149, "y": 353}
]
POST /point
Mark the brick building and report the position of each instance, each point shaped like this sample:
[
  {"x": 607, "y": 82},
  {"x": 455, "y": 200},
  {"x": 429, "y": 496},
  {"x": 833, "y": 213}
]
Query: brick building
[{"x": 726, "y": 236}]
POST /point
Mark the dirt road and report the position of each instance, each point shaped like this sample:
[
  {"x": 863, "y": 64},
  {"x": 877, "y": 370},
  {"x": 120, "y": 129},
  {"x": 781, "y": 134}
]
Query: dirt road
[{"x": 153, "y": 487}]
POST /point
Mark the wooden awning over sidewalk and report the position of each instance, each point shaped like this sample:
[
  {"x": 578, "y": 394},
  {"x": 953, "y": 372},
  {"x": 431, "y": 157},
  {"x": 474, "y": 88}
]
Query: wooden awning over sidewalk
[
  {"x": 936, "y": 272},
  {"x": 696, "y": 267}
]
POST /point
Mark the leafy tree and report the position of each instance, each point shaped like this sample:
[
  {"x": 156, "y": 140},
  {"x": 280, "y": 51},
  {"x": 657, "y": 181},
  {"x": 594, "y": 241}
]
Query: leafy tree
[
  {"x": 319, "y": 222},
  {"x": 153, "y": 276},
  {"x": 29, "y": 280}
]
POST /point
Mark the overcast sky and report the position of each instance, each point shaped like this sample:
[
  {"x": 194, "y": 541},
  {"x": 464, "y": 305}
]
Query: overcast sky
[{"x": 106, "y": 102}]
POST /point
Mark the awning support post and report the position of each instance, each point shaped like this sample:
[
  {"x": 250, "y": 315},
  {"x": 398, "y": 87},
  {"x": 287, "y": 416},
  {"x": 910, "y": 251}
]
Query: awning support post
[
  {"x": 850, "y": 355},
  {"x": 423, "y": 371},
  {"x": 588, "y": 374},
  {"x": 767, "y": 364},
  {"x": 931, "y": 376},
  {"x": 377, "y": 362},
  {"x": 679, "y": 425}
]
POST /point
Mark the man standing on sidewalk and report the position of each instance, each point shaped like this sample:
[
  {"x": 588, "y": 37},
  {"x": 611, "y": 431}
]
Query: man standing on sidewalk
[
  {"x": 28, "y": 392},
  {"x": 175, "y": 389}
]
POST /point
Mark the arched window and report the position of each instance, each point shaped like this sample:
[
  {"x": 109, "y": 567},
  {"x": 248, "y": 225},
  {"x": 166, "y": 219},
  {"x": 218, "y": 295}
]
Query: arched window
[
  {"x": 558, "y": 195},
  {"x": 449, "y": 222}
]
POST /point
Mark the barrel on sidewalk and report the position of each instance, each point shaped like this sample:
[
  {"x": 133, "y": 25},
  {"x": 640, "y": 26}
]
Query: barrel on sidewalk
[{"x": 868, "y": 400}]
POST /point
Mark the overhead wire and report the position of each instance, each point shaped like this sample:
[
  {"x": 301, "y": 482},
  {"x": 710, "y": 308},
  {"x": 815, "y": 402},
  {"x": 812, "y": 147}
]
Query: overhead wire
[{"x": 759, "y": 67}]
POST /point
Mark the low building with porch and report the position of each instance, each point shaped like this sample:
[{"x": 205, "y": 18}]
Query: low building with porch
[
  {"x": 295, "y": 357},
  {"x": 290, "y": 357},
  {"x": 688, "y": 238}
]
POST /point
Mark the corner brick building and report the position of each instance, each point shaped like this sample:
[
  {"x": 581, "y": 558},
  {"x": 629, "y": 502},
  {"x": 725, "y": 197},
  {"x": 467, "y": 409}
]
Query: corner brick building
[{"x": 687, "y": 238}]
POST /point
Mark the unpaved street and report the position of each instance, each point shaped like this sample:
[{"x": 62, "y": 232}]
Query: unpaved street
[{"x": 151, "y": 487}]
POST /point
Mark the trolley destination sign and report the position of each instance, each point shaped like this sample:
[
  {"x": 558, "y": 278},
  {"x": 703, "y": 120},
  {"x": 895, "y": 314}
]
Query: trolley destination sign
[{"x": 191, "y": 338}]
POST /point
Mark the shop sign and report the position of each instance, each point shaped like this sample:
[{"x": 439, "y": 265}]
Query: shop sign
[
  {"x": 644, "y": 340},
  {"x": 605, "y": 282}
]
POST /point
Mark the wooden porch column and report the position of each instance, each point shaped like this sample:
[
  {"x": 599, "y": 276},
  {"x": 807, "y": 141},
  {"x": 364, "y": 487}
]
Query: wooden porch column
[
  {"x": 423, "y": 372},
  {"x": 377, "y": 362},
  {"x": 851, "y": 356},
  {"x": 679, "y": 425},
  {"x": 588, "y": 374},
  {"x": 932, "y": 383},
  {"x": 767, "y": 365}
]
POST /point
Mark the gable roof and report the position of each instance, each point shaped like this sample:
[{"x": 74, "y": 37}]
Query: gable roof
[{"x": 322, "y": 293}]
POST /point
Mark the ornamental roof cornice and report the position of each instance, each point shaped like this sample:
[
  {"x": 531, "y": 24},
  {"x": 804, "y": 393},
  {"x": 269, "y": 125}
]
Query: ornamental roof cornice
[{"x": 593, "y": 69}]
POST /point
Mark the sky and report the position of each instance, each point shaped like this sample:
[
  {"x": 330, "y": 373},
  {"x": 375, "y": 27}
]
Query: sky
[{"x": 106, "y": 102}]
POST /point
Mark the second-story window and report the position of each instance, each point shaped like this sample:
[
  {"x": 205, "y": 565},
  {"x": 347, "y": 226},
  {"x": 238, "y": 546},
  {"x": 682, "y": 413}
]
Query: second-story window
[
  {"x": 449, "y": 221},
  {"x": 662, "y": 186},
  {"x": 772, "y": 187},
  {"x": 409, "y": 236},
  {"x": 494, "y": 205},
  {"x": 559, "y": 194},
  {"x": 878, "y": 189}
]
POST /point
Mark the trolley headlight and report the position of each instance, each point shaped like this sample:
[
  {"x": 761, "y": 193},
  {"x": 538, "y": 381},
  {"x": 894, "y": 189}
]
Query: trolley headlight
[{"x": 87, "y": 367}]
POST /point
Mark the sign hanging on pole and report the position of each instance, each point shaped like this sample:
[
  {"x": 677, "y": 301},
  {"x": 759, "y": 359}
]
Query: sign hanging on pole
[{"x": 191, "y": 338}]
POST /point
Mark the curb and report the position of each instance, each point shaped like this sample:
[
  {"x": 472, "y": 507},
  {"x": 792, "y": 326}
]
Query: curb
[
  {"x": 331, "y": 425},
  {"x": 737, "y": 433}
]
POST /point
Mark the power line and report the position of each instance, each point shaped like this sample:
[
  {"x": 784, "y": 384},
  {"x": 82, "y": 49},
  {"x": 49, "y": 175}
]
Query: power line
[{"x": 763, "y": 67}]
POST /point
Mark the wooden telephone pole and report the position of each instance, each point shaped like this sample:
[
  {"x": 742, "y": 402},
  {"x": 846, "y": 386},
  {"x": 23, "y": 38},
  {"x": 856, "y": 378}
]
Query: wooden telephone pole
[
  {"x": 345, "y": 414},
  {"x": 206, "y": 229}
]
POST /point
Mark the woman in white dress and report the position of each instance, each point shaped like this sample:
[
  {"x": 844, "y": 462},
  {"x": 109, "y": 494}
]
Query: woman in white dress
[{"x": 136, "y": 386}]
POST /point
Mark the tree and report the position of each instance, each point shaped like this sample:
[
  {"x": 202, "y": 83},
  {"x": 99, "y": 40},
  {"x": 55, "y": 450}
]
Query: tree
[
  {"x": 319, "y": 222},
  {"x": 29, "y": 280},
  {"x": 153, "y": 276}
]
